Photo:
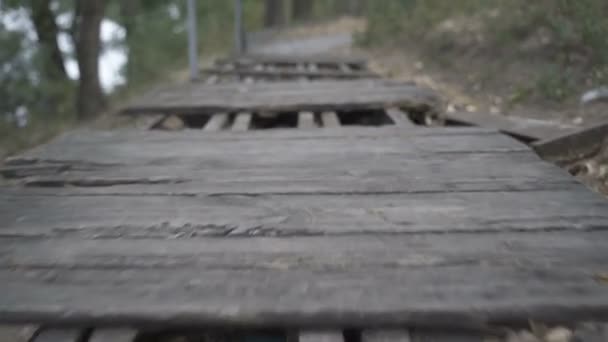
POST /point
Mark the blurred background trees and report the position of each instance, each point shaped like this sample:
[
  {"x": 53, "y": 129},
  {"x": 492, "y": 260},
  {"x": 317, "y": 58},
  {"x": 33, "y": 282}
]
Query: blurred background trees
[{"x": 66, "y": 60}]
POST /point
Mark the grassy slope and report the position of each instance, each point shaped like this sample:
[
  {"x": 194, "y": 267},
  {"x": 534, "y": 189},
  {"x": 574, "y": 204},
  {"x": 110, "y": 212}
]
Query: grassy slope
[{"x": 511, "y": 56}]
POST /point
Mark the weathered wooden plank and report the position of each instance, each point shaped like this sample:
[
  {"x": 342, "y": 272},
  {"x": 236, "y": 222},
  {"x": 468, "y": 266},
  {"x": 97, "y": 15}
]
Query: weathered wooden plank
[
  {"x": 294, "y": 59},
  {"x": 330, "y": 120},
  {"x": 113, "y": 335},
  {"x": 577, "y": 145},
  {"x": 202, "y": 99},
  {"x": 306, "y": 120},
  {"x": 399, "y": 118},
  {"x": 291, "y": 74},
  {"x": 258, "y": 173},
  {"x": 288, "y": 215},
  {"x": 321, "y": 336},
  {"x": 445, "y": 336},
  {"x": 242, "y": 121},
  {"x": 395, "y": 335},
  {"x": 217, "y": 122},
  {"x": 103, "y": 148},
  {"x": 59, "y": 335},
  {"x": 473, "y": 279},
  {"x": 532, "y": 129}
]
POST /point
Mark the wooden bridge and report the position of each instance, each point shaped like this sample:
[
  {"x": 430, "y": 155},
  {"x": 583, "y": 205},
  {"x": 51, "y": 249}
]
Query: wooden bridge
[{"x": 315, "y": 210}]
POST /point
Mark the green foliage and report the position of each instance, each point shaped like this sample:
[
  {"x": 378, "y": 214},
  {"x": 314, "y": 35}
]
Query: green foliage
[{"x": 566, "y": 38}]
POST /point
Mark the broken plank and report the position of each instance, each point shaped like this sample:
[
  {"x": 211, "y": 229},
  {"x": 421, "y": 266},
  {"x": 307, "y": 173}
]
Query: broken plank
[
  {"x": 399, "y": 118},
  {"x": 217, "y": 122},
  {"x": 525, "y": 128},
  {"x": 570, "y": 147},
  {"x": 330, "y": 120},
  {"x": 306, "y": 120},
  {"x": 242, "y": 121}
]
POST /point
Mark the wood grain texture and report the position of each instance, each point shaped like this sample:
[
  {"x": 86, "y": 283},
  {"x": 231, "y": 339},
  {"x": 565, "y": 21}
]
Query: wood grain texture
[
  {"x": 447, "y": 279},
  {"x": 289, "y": 215},
  {"x": 305, "y": 229},
  {"x": 357, "y": 161},
  {"x": 204, "y": 99}
]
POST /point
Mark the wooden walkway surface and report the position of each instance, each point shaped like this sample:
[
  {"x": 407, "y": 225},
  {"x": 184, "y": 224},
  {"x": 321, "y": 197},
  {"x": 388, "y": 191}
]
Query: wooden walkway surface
[{"x": 322, "y": 228}]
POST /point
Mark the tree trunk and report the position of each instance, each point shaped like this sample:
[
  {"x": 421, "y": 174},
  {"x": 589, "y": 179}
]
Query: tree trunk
[
  {"x": 301, "y": 10},
  {"x": 274, "y": 13},
  {"x": 47, "y": 31},
  {"x": 90, "y": 100},
  {"x": 128, "y": 12}
]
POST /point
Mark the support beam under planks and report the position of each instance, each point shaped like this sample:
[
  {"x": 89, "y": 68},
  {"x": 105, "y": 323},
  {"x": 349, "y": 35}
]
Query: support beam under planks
[
  {"x": 399, "y": 118},
  {"x": 217, "y": 122},
  {"x": 321, "y": 336},
  {"x": 60, "y": 335},
  {"x": 330, "y": 119},
  {"x": 401, "y": 335},
  {"x": 242, "y": 121},
  {"x": 113, "y": 335},
  {"x": 306, "y": 120},
  {"x": 444, "y": 336}
]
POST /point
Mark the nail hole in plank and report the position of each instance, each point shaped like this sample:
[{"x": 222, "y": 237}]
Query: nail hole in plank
[
  {"x": 217, "y": 122},
  {"x": 242, "y": 121}
]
